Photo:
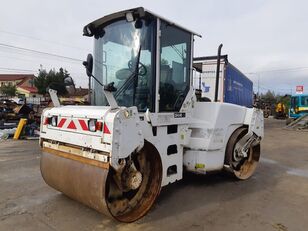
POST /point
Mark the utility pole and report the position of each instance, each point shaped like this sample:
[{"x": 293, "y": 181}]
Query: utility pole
[{"x": 259, "y": 97}]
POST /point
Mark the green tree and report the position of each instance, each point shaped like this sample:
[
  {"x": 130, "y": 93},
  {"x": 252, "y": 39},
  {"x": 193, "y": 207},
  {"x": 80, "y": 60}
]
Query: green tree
[
  {"x": 269, "y": 97},
  {"x": 57, "y": 80},
  {"x": 9, "y": 90},
  {"x": 273, "y": 99}
]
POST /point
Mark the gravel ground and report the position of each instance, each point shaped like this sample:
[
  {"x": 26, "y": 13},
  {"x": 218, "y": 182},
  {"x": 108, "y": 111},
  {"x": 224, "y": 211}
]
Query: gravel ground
[{"x": 275, "y": 198}]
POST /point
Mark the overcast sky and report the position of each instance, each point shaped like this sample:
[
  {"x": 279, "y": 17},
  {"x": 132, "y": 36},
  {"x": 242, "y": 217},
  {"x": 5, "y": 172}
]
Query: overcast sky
[{"x": 258, "y": 35}]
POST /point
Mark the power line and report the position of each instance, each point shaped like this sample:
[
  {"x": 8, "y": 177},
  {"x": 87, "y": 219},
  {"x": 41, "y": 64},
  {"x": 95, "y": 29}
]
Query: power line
[
  {"x": 15, "y": 69},
  {"x": 43, "y": 40},
  {"x": 39, "y": 52},
  {"x": 79, "y": 48},
  {"x": 15, "y": 58},
  {"x": 24, "y": 56},
  {"x": 279, "y": 70},
  {"x": 287, "y": 69},
  {"x": 264, "y": 87}
]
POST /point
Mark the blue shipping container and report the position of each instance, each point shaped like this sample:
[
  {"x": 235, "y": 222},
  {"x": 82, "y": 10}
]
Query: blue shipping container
[
  {"x": 234, "y": 87},
  {"x": 238, "y": 88}
]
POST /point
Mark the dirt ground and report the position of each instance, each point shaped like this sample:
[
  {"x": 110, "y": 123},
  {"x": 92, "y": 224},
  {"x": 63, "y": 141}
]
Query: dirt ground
[{"x": 275, "y": 198}]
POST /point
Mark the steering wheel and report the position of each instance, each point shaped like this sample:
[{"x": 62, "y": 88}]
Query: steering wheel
[{"x": 142, "y": 68}]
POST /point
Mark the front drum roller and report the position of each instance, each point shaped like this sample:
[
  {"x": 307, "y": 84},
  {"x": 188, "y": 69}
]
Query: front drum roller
[
  {"x": 242, "y": 168},
  {"x": 96, "y": 184}
]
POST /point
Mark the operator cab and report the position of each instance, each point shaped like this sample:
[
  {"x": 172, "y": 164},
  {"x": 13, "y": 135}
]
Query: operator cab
[{"x": 147, "y": 58}]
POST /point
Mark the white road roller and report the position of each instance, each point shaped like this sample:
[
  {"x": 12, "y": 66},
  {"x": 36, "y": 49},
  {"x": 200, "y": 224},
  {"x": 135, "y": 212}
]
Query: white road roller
[{"x": 146, "y": 124}]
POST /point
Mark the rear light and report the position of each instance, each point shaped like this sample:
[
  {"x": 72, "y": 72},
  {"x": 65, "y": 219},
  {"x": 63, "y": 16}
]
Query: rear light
[
  {"x": 92, "y": 125},
  {"x": 54, "y": 121},
  {"x": 47, "y": 120},
  {"x": 99, "y": 126},
  {"x": 95, "y": 125}
]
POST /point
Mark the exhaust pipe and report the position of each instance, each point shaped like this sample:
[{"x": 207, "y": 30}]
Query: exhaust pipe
[{"x": 217, "y": 72}]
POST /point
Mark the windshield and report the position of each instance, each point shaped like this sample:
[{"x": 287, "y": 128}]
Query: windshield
[{"x": 124, "y": 55}]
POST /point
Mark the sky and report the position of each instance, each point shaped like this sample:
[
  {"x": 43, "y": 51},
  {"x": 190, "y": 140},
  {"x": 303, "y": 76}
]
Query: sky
[{"x": 266, "y": 39}]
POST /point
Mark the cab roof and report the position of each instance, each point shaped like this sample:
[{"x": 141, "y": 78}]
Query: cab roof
[{"x": 137, "y": 12}]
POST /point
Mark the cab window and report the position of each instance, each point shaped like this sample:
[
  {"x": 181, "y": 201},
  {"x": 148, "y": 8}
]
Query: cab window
[
  {"x": 304, "y": 100},
  {"x": 174, "y": 67}
]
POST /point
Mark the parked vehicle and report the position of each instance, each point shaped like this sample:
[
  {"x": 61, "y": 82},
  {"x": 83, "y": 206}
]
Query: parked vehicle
[{"x": 298, "y": 107}]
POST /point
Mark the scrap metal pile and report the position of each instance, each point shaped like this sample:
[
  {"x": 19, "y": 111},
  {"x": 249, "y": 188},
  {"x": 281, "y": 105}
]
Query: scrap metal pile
[
  {"x": 10, "y": 115},
  {"x": 299, "y": 124}
]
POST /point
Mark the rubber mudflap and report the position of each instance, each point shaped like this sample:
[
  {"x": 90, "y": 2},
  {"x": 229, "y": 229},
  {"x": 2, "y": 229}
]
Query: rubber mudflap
[{"x": 79, "y": 181}]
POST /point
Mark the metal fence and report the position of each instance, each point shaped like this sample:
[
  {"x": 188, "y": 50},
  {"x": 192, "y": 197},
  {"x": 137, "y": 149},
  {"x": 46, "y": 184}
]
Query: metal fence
[{"x": 35, "y": 100}]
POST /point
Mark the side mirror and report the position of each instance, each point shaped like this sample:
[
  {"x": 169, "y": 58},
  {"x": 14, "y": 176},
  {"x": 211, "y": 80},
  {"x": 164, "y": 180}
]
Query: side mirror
[{"x": 89, "y": 65}]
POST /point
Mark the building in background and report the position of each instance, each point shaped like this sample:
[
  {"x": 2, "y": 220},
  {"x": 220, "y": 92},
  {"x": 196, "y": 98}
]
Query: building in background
[
  {"x": 24, "y": 84},
  {"x": 76, "y": 96}
]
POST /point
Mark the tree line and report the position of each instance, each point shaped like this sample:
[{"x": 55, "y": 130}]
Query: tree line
[{"x": 272, "y": 99}]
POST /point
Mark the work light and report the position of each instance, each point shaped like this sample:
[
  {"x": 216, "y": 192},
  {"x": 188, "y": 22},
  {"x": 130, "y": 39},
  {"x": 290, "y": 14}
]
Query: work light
[
  {"x": 129, "y": 17},
  {"x": 92, "y": 125},
  {"x": 54, "y": 121}
]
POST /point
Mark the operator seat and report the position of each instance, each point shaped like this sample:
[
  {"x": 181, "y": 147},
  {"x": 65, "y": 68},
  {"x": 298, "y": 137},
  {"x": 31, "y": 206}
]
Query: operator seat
[{"x": 167, "y": 89}]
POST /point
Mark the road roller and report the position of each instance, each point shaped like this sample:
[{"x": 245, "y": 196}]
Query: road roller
[{"x": 146, "y": 123}]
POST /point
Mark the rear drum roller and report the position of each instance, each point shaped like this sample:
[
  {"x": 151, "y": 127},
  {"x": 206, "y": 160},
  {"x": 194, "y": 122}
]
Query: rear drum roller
[
  {"x": 125, "y": 196},
  {"x": 241, "y": 167}
]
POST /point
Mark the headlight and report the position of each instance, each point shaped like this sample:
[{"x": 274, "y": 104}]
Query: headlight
[
  {"x": 54, "y": 121},
  {"x": 92, "y": 125}
]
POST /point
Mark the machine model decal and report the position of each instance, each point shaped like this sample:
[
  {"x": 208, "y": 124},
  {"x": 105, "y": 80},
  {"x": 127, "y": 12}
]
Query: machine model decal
[{"x": 179, "y": 115}]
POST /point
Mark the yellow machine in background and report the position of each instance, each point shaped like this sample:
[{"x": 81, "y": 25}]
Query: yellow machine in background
[{"x": 280, "y": 111}]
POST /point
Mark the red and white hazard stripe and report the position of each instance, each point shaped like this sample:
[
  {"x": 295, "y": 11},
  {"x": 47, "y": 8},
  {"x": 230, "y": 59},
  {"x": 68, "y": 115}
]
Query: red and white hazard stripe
[
  {"x": 73, "y": 124},
  {"x": 78, "y": 125}
]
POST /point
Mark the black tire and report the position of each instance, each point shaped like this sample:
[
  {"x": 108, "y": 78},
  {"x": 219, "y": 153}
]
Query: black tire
[{"x": 247, "y": 166}]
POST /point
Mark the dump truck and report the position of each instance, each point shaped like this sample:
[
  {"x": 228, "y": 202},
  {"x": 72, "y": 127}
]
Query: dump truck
[
  {"x": 233, "y": 86},
  {"x": 145, "y": 125}
]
